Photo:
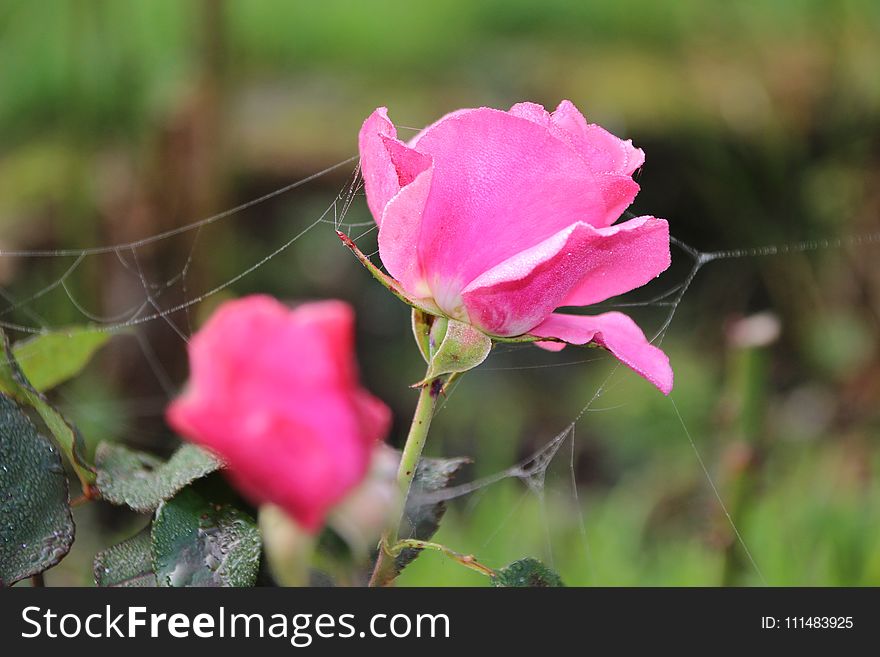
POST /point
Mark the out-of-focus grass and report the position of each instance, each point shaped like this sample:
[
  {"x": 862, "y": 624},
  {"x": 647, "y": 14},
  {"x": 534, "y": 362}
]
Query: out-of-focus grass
[
  {"x": 808, "y": 528},
  {"x": 760, "y": 122},
  {"x": 104, "y": 70}
]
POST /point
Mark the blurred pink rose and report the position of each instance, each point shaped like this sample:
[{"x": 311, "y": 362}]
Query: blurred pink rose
[
  {"x": 275, "y": 393},
  {"x": 499, "y": 218}
]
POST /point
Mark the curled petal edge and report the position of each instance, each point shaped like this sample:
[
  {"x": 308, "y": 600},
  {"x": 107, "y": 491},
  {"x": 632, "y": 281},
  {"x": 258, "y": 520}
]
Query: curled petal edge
[{"x": 615, "y": 332}]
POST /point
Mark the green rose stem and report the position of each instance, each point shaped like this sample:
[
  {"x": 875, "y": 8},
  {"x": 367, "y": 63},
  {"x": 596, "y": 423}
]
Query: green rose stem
[
  {"x": 385, "y": 570},
  {"x": 450, "y": 347},
  {"x": 466, "y": 560}
]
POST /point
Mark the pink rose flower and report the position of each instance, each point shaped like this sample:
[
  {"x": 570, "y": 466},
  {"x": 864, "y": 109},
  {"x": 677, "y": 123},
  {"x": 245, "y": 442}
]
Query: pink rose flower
[
  {"x": 274, "y": 392},
  {"x": 499, "y": 218}
]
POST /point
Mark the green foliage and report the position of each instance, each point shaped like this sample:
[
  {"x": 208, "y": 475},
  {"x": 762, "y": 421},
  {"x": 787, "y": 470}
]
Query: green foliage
[
  {"x": 526, "y": 572},
  {"x": 127, "y": 564},
  {"x": 50, "y": 359},
  {"x": 142, "y": 481},
  {"x": 36, "y": 527},
  {"x": 422, "y": 519},
  {"x": 197, "y": 541},
  {"x": 14, "y": 383}
]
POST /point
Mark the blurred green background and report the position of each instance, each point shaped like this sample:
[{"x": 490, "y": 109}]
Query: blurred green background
[{"x": 761, "y": 124}]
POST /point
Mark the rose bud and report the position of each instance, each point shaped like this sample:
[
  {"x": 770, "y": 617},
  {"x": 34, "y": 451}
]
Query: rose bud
[{"x": 274, "y": 392}]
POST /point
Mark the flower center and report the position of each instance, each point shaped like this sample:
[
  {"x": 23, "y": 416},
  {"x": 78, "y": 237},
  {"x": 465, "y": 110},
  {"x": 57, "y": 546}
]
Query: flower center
[{"x": 447, "y": 296}]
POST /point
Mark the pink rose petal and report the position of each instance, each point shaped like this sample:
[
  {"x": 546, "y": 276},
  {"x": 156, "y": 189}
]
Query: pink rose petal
[
  {"x": 501, "y": 184},
  {"x": 579, "y": 265},
  {"x": 605, "y": 152},
  {"x": 612, "y": 160},
  {"x": 387, "y": 164},
  {"x": 632, "y": 254},
  {"x": 400, "y": 231},
  {"x": 618, "y": 334}
]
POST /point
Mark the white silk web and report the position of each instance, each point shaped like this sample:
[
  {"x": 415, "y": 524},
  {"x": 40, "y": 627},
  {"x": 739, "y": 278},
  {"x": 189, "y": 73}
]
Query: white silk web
[{"x": 21, "y": 316}]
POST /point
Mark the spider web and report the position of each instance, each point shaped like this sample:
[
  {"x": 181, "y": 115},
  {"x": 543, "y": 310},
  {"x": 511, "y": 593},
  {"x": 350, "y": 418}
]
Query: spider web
[{"x": 20, "y": 316}]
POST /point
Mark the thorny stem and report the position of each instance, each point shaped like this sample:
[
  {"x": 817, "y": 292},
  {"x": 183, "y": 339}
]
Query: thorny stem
[
  {"x": 431, "y": 388},
  {"x": 466, "y": 560},
  {"x": 385, "y": 571}
]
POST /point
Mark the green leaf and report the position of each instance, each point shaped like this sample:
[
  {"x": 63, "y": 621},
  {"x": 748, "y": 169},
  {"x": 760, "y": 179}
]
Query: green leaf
[
  {"x": 199, "y": 542},
  {"x": 421, "y": 520},
  {"x": 141, "y": 481},
  {"x": 36, "y": 527},
  {"x": 462, "y": 349},
  {"x": 127, "y": 564},
  {"x": 14, "y": 383},
  {"x": 50, "y": 359},
  {"x": 526, "y": 572}
]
